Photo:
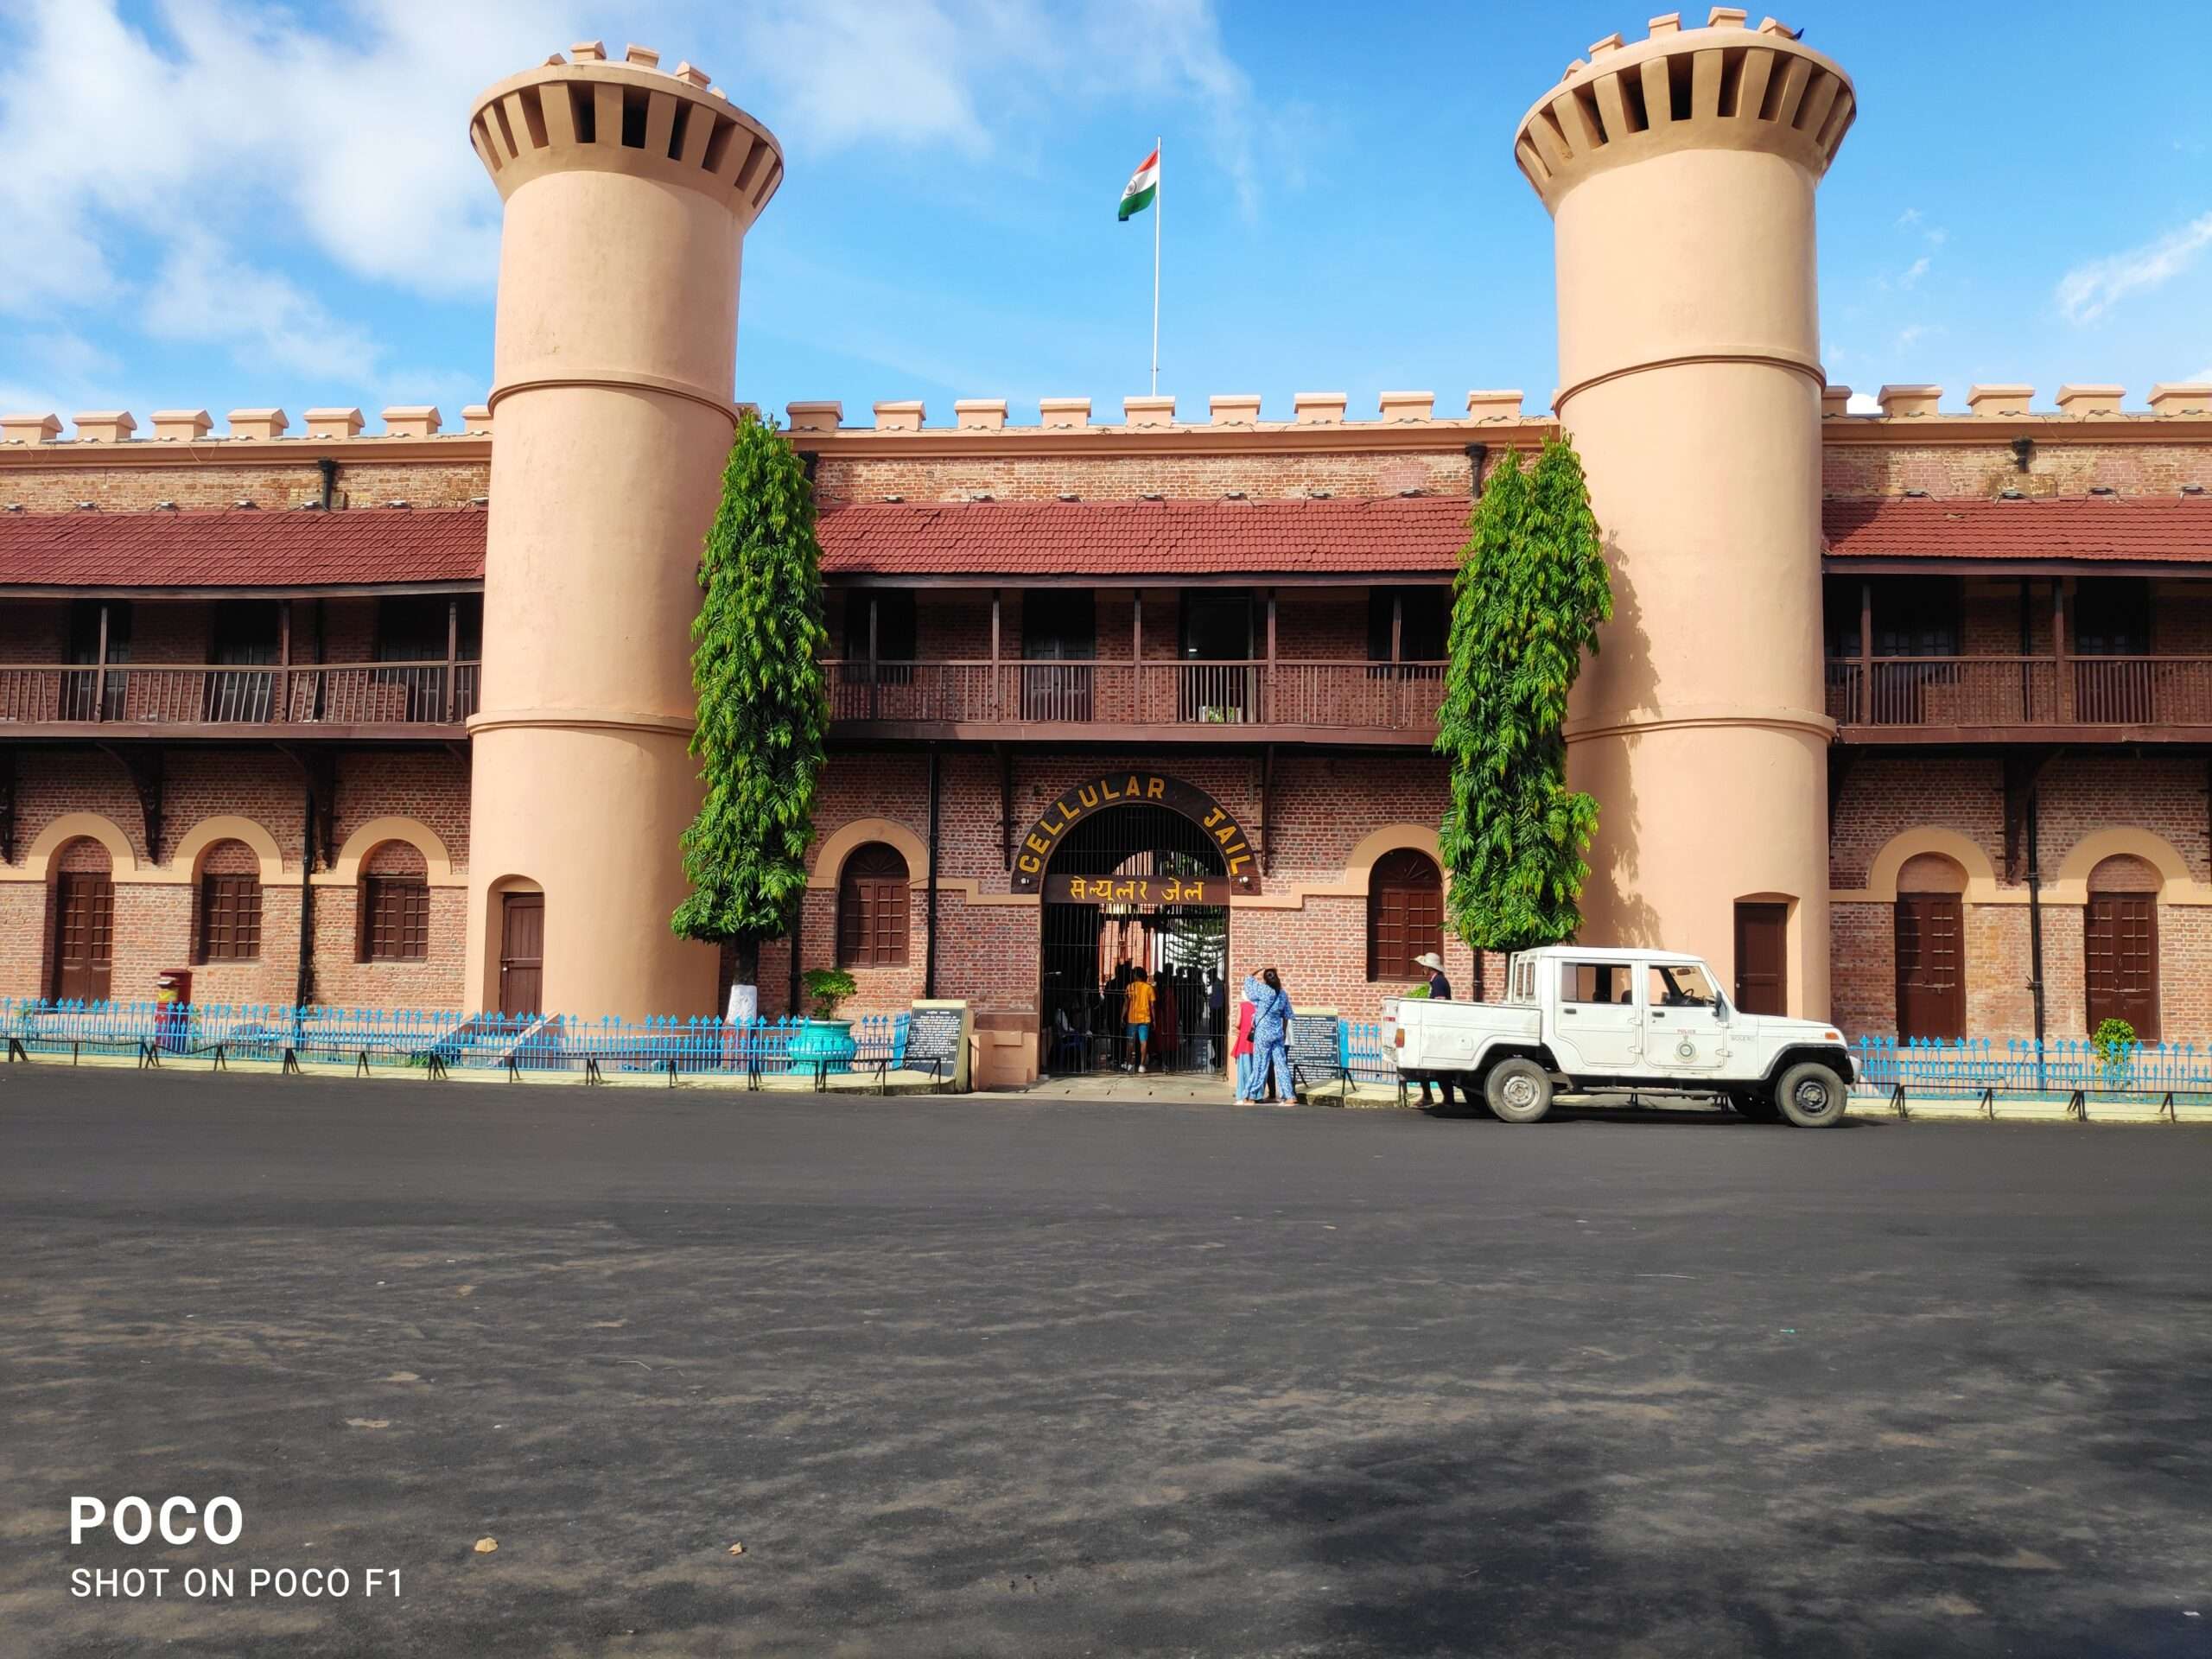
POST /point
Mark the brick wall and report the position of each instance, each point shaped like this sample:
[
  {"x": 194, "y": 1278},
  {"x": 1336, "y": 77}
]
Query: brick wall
[
  {"x": 1323, "y": 806},
  {"x": 841, "y": 479},
  {"x": 1885, "y": 796},
  {"x": 2067, "y": 461},
  {"x": 155, "y": 922},
  {"x": 219, "y": 480}
]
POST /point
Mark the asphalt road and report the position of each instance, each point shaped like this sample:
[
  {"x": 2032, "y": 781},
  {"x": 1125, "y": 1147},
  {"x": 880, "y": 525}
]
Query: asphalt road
[{"x": 1002, "y": 1379}]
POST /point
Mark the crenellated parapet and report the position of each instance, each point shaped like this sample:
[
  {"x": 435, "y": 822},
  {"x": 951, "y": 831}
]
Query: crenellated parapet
[
  {"x": 585, "y": 113},
  {"x": 1724, "y": 86}
]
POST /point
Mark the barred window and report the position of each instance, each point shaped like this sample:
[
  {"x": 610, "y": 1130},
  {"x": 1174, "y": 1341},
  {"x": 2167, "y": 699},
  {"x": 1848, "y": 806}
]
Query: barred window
[
  {"x": 871, "y": 893},
  {"x": 230, "y": 919},
  {"x": 396, "y": 918},
  {"x": 1405, "y": 915}
]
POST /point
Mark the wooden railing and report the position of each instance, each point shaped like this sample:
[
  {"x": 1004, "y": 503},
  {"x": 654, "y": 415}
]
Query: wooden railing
[
  {"x": 1985, "y": 691},
  {"x": 163, "y": 694},
  {"x": 1337, "y": 696}
]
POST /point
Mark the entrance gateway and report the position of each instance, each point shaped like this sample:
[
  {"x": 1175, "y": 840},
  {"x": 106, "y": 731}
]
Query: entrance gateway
[{"x": 1136, "y": 869}]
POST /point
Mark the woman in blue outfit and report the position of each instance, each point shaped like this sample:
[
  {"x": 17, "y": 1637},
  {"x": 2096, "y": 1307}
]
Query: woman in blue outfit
[{"x": 1271, "y": 1015}]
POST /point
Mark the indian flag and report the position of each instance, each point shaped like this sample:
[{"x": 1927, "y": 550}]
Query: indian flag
[{"x": 1144, "y": 184}]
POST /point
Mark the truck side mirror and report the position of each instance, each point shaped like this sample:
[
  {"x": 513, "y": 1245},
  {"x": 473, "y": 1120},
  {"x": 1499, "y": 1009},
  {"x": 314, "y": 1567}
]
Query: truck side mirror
[{"x": 1720, "y": 1010}]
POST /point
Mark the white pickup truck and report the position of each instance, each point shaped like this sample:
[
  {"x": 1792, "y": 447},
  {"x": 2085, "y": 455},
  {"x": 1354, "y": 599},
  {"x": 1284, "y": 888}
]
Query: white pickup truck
[{"x": 1607, "y": 1020}]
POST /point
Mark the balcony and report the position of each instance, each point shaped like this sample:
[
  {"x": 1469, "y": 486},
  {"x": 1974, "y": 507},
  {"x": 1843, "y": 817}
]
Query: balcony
[
  {"x": 2022, "y": 699},
  {"x": 225, "y": 702},
  {"x": 1168, "y": 700}
]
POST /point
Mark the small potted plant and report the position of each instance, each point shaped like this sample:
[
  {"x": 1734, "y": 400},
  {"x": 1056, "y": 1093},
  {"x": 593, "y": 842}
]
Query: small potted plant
[
  {"x": 2114, "y": 1043},
  {"x": 825, "y": 1040}
]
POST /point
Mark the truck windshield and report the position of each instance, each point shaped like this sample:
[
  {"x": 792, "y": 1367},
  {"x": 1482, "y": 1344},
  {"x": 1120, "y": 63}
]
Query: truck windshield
[{"x": 1680, "y": 985}]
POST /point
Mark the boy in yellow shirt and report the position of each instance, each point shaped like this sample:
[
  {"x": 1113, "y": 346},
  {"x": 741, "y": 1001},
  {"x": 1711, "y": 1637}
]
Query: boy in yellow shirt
[{"x": 1136, "y": 1013}]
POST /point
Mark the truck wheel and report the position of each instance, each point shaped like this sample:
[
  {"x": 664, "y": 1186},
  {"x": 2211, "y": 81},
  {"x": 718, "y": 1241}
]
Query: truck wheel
[
  {"x": 1811, "y": 1095},
  {"x": 1518, "y": 1089},
  {"x": 1755, "y": 1108}
]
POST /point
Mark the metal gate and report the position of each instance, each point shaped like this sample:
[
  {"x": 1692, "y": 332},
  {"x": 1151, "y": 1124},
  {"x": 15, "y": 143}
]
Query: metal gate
[{"x": 1088, "y": 950}]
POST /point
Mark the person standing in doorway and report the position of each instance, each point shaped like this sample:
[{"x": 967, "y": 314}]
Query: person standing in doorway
[
  {"x": 1439, "y": 990},
  {"x": 1271, "y": 1017},
  {"x": 1136, "y": 1013}
]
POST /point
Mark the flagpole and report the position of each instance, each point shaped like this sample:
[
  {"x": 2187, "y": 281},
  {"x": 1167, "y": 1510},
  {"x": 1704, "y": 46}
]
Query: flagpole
[{"x": 1157, "y": 180}]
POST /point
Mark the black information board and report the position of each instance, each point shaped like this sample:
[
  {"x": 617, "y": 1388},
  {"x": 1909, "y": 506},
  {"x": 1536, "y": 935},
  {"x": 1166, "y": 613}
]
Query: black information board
[
  {"x": 933, "y": 1035},
  {"x": 1313, "y": 1056}
]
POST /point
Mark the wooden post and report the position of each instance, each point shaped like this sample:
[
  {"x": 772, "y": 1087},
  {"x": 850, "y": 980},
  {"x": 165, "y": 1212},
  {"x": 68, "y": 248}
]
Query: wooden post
[
  {"x": 453, "y": 652},
  {"x": 1397, "y": 656},
  {"x": 1136, "y": 651},
  {"x": 99, "y": 679},
  {"x": 1267, "y": 708},
  {"x": 1865, "y": 699},
  {"x": 874, "y": 675},
  {"x": 285, "y": 660},
  {"x": 2063, "y": 690}
]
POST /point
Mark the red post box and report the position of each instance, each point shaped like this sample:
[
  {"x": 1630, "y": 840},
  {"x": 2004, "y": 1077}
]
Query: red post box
[{"x": 172, "y": 1008}]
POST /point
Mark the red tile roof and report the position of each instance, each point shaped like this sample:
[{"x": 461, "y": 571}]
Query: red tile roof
[
  {"x": 2172, "y": 529},
  {"x": 1413, "y": 535},
  {"x": 241, "y": 547},
  {"x": 1390, "y": 536}
]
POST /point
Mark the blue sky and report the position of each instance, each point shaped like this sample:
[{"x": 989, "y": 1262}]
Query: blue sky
[{"x": 218, "y": 204}]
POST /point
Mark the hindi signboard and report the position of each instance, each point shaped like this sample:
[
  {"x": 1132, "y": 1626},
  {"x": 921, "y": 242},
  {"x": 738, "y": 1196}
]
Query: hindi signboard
[{"x": 1136, "y": 890}]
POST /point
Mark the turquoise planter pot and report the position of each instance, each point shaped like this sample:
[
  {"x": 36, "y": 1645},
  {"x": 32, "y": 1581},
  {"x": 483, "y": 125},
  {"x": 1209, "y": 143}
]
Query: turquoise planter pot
[{"x": 823, "y": 1040}]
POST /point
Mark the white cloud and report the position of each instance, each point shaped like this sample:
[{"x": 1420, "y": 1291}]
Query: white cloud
[
  {"x": 202, "y": 294},
  {"x": 1914, "y": 272},
  {"x": 1908, "y": 217},
  {"x": 2089, "y": 290},
  {"x": 973, "y": 74},
  {"x": 1864, "y": 402},
  {"x": 223, "y": 171}
]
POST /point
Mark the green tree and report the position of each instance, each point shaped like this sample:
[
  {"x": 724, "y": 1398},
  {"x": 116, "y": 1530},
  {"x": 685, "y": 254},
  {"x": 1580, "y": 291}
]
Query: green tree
[
  {"x": 1531, "y": 592},
  {"x": 764, "y": 707}
]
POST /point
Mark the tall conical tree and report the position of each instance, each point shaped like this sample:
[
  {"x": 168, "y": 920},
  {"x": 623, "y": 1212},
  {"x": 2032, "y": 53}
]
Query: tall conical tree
[
  {"x": 764, "y": 707},
  {"x": 1532, "y": 590}
]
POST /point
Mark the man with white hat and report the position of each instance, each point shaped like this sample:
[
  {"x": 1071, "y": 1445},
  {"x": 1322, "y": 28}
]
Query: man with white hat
[{"x": 1439, "y": 990}]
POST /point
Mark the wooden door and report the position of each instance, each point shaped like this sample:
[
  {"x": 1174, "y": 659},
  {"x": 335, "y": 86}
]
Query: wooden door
[
  {"x": 522, "y": 952},
  {"x": 1762, "y": 958},
  {"x": 84, "y": 933},
  {"x": 2122, "y": 937},
  {"x": 1932, "y": 972}
]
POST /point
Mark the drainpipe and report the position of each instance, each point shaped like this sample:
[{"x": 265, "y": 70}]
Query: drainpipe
[
  {"x": 1477, "y": 453},
  {"x": 2035, "y": 925},
  {"x": 929, "y": 896},
  {"x": 328, "y": 468},
  {"x": 305, "y": 987}
]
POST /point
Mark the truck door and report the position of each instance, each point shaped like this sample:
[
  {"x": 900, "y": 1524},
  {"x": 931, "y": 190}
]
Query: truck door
[
  {"x": 1683, "y": 1032},
  {"x": 1600, "y": 1028}
]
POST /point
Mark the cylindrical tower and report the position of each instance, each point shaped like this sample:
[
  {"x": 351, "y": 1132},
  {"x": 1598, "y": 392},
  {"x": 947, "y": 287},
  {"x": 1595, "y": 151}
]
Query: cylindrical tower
[
  {"x": 1680, "y": 174},
  {"x": 628, "y": 191}
]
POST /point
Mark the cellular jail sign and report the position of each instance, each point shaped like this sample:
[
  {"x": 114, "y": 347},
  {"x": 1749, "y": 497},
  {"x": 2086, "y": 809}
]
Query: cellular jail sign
[{"x": 1139, "y": 788}]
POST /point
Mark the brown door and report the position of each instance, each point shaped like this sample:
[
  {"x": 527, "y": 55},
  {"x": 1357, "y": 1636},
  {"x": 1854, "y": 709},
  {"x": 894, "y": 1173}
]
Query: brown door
[
  {"x": 1931, "y": 976},
  {"x": 83, "y": 932},
  {"x": 2122, "y": 933},
  {"x": 1762, "y": 960},
  {"x": 522, "y": 952}
]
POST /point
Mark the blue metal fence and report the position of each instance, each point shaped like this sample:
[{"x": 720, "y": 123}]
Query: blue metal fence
[
  {"x": 434, "y": 1039},
  {"x": 2065, "y": 1066}
]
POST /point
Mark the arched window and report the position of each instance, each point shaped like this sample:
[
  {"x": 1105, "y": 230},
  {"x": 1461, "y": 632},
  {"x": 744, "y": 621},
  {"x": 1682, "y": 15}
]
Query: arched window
[
  {"x": 2120, "y": 934},
  {"x": 1931, "y": 948},
  {"x": 872, "y": 908},
  {"x": 1405, "y": 914},
  {"x": 395, "y": 924},
  {"x": 229, "y": 904}
]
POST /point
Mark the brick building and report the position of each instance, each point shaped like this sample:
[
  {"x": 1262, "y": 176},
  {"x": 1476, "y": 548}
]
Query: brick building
[
  {"x": 2019, "y": 650},
  {"x": 1908, "y": 717}
]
